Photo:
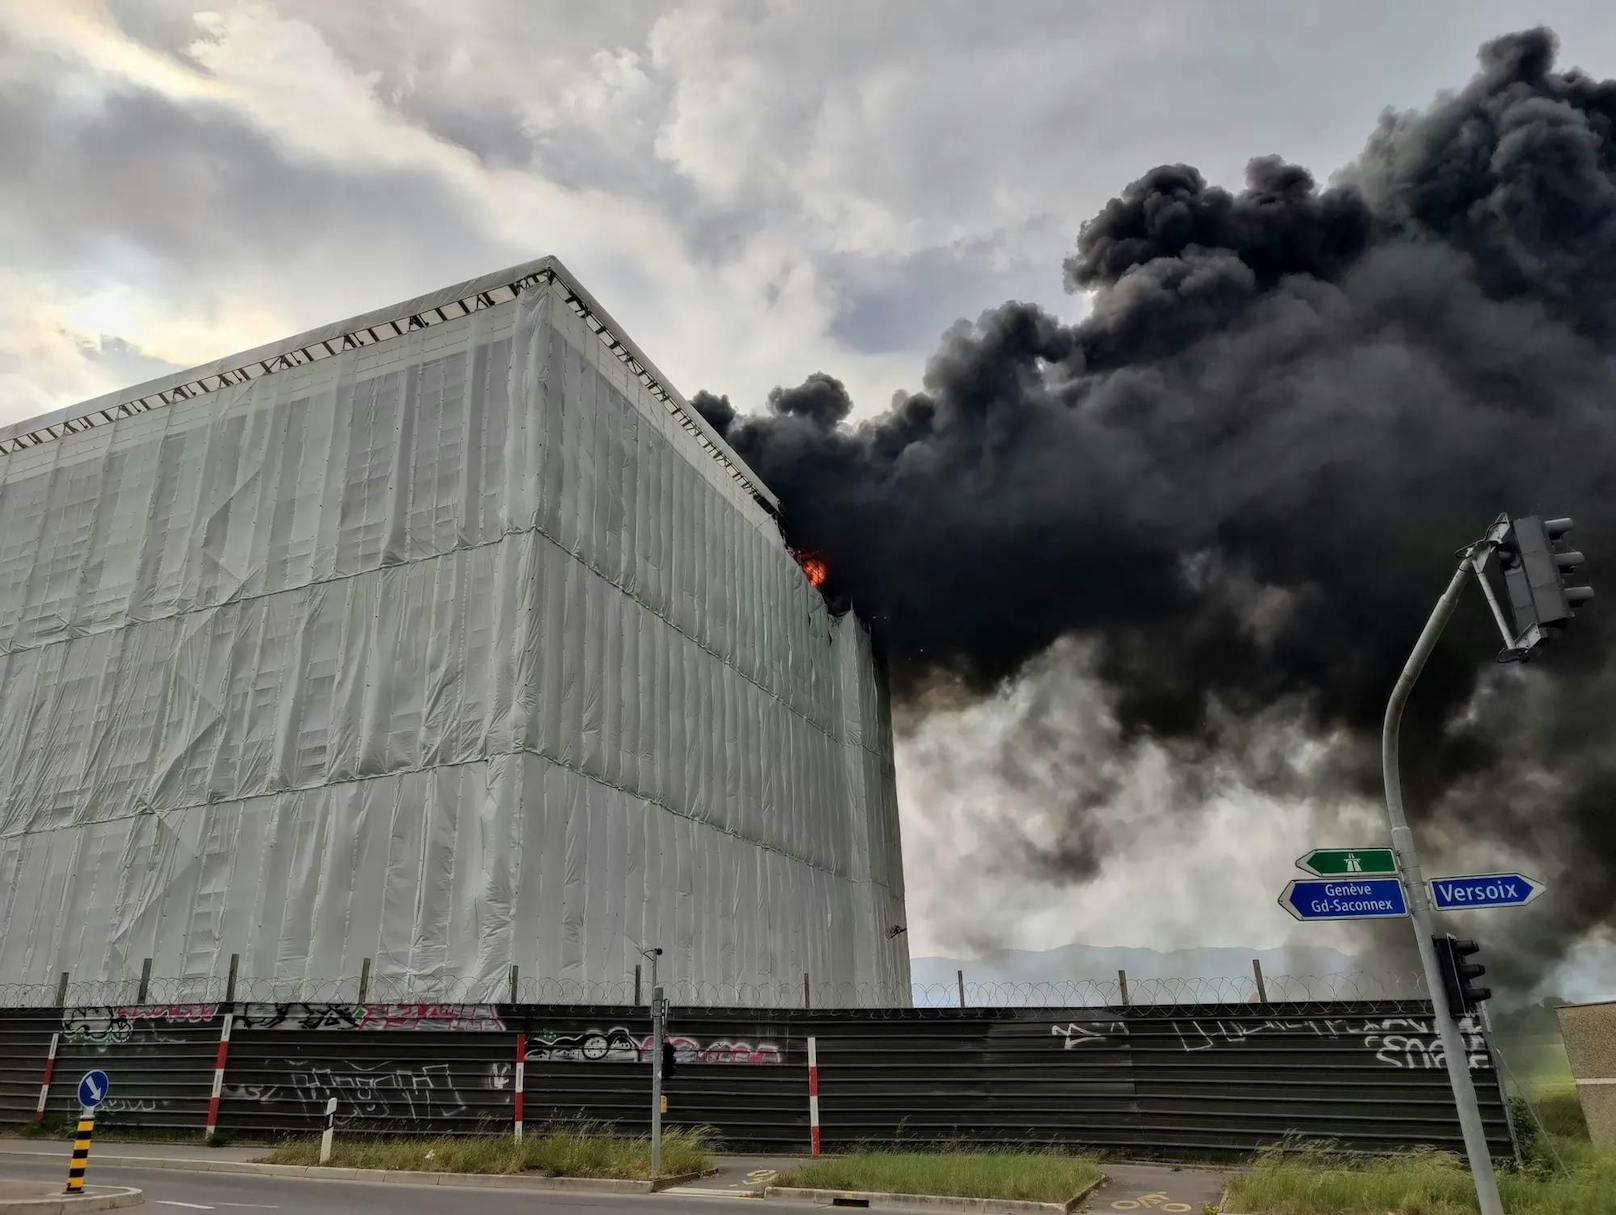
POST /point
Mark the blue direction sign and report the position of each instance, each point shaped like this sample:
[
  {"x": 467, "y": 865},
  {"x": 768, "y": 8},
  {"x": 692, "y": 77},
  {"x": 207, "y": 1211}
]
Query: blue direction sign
[
  {"x": 1345, "y": 899},
  {"x": 93, "y": 1088},
  {"x": 1484, "y": 890}
]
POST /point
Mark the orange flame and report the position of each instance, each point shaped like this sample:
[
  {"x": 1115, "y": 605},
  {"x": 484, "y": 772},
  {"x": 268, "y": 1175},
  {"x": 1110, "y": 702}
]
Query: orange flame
[{"x": 814, "y": 566}]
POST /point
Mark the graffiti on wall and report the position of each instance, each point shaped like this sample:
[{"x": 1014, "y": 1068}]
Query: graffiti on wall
[
  {"x": 396, "y": 1092},
  {"x": 465, "y": 1017},
  {"x": 619, "y": 1045},
  {"x": 114, "y": 1024},
  {"x": 1402, "y": 1042}
]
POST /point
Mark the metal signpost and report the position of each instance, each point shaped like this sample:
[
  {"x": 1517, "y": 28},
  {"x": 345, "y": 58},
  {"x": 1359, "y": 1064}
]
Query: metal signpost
[
  {"x": 1348, "y": 862},
  {"x": 93, "y": 1089},
  {"x": 658, "y": 1013},
  {"x": 1535, "y": 560},
  {"x": 1350, "y": 899},
  {"x": 1483, "y": 890}
]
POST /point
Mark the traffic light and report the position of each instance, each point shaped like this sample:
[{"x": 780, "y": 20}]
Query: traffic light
[
  {"x": 1536, "y": 560},
  {"x": 1458, "y": 976},
  {"x": 669, "y": 1054}
]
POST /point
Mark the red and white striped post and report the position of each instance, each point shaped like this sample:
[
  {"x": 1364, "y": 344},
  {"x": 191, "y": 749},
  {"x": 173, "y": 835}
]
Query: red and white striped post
[
  {"x": 44, "y": 1083},
  {"x": 813, "y": 1094},
  {"x": 521, "y": 1062},
  {"x": 218, "y": 1074}
]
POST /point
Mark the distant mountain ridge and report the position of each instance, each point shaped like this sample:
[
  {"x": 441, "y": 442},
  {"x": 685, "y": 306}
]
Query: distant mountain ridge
[
  {"x": 1100, "y": 963},
  {"x": 1587, "y": 973}
]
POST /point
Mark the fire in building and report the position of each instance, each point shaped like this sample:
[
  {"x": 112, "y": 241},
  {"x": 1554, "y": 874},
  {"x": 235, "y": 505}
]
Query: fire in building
[{"x": 448, "y": 637}]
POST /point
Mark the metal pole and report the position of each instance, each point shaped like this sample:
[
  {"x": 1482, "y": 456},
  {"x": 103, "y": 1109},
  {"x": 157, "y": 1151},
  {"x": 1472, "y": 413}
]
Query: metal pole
[
  {"x": 959, "y": 977},
  {"x": 1419, "y": 904},
  {"x": 230, "y": 979},
  {"x": 656, "y": 1075},
  {"x": 513, "y": 983},
  {"x": 61, "y": 991},
  {"x": 1122, "y": 982},
  {"x": 364, "y": 980},
  {"x": 145, "y": 982},
  {"x": 805, "y": 1001},
  {"x": 1256, "y": 973}
]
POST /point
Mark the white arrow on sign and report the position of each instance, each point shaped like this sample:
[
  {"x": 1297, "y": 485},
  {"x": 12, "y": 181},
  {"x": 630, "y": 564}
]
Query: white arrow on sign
[{"x": 94, "y": 1092}]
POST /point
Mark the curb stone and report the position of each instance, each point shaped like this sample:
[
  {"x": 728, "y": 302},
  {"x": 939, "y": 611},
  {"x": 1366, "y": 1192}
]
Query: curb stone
[
  {"x": 114, "y": 1197},
  {"x": 935, "y": 1202},
  {"x": 315, "y": 1172}
]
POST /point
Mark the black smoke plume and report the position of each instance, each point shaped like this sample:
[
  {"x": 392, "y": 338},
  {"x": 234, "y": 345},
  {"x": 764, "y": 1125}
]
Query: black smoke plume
[{"x": 1241, "y": 477}]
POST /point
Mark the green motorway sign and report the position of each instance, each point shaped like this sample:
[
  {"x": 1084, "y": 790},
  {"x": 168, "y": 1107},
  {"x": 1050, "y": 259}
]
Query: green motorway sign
[{"x": 1348, "y": 862}]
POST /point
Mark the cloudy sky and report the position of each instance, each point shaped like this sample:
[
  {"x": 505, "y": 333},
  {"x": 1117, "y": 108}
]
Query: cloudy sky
[{"x": 757, "y": 191}]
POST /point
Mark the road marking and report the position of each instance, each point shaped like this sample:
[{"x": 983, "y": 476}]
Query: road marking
[
  {"x": 195, "y": 1206},
  {"x": 1156, "y": 1201}
]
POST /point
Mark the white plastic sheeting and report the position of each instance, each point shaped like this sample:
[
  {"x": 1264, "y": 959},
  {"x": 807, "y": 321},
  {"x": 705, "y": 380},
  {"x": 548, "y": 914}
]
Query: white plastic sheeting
[{"x": 451, "y": 652}]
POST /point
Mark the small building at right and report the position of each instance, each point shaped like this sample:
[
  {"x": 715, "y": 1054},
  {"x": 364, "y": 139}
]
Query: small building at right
[{"x": 1589, "y": 1033}]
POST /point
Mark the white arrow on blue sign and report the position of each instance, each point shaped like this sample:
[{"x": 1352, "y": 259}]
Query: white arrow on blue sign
[
  {"x": 1342, "y": 899},
  {"x": 1483, "y": 890},
  {"x": 93, "y": 1088}
]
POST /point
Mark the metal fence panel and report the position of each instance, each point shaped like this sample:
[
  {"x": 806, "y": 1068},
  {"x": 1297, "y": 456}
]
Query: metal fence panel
[{"x": 1174, "y": 1081}]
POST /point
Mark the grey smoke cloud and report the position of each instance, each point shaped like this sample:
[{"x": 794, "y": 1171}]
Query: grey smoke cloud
[{"x": 1239, "y": 479}]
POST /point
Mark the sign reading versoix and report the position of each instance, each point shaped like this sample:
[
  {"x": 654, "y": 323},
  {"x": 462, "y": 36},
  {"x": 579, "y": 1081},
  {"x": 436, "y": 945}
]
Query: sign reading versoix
[
  {"x": 1484, "y": 890},
  {"x": 1335, "y": 899}
]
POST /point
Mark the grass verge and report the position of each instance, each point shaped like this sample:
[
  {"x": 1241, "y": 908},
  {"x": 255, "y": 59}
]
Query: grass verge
[
  {"x": 110, "y": 1132},
  {"x": 559, "y": 1152},
  {"x": 1010, "y": 1173},
  {"x": 1320, "y": 1182}
]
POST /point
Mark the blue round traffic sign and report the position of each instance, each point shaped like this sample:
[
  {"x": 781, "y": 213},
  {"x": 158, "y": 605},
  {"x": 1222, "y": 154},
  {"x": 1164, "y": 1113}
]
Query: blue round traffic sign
[{"x": 93, "y": 1088}]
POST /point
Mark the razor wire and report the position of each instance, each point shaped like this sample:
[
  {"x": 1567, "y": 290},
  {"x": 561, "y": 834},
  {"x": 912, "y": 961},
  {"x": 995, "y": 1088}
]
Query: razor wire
[{"x": 1165, "y": 993}]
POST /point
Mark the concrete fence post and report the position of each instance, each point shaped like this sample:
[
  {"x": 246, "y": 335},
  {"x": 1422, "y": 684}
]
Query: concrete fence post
[
  {"x": 1122, "y": 984},
  {"x": 230, "y": 979},
  {"x": 61, "y": 991},
  {"x": 959, "y": 977},
  {"x": 364, "y": 981},
  {"x": 512, "y": 999},
  {"x": 144, "y": 989},
  {"x": 1256, "y": 973},
  {"x": 806, "y": 1003}
]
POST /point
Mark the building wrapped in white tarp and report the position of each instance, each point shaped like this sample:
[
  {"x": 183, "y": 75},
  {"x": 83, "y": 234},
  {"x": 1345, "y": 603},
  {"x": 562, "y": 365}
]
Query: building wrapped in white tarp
[{"x": 447, "y": 637}]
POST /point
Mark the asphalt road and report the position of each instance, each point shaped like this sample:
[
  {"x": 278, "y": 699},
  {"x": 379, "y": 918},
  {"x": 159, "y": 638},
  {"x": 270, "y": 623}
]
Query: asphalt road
[{"x": 170, "y": 1192}]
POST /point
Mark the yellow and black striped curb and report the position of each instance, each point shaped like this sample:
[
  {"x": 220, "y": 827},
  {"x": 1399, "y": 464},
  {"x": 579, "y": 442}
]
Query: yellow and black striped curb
[{"x": 81, "y": 1156}]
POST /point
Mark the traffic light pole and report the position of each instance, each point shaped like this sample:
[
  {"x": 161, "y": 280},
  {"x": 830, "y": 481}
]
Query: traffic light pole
[{"x": 1454, "y": 1050}]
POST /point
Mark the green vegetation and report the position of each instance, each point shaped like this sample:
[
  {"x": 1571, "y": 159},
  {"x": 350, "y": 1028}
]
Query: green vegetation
[
  {"x": 573, "y": 1151},
  {"x": 1561, "y": 1171},
  {"x": 1008, "y": 1173},
  {"x": 111, "y": 1132},
  {"x": 1320, "y": 1182}
]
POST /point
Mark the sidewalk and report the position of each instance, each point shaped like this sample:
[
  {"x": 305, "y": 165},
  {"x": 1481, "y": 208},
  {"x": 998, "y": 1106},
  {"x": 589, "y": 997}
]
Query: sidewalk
[
  {"x": 1156, "y": 1189},
  {"x": 739, "y": 1176}
]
